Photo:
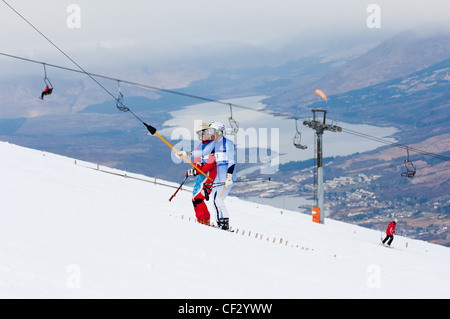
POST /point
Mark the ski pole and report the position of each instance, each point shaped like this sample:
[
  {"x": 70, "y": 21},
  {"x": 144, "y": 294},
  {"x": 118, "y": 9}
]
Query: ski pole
[
  {"x": 181, "y": 185},
  {"x": 153, "y": 131}
]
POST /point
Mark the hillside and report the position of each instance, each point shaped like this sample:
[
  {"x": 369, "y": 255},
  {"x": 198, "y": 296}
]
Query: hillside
[{"x": 69, "y": 230}]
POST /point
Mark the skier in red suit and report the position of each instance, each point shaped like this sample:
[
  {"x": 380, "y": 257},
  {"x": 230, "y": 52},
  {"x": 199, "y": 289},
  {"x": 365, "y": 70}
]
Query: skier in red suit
[
  {"x": 390, "y": 231},
  {"x": 203, "y": 186}
]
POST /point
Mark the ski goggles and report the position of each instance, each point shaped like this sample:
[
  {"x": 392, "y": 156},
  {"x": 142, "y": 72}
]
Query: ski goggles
[{"x": 206, "y": 131}]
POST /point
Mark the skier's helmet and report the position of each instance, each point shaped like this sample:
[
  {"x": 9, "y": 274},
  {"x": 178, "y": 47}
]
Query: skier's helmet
[
  {"x": 219, "y": 128},
  {"x": 395, "y": 220}
]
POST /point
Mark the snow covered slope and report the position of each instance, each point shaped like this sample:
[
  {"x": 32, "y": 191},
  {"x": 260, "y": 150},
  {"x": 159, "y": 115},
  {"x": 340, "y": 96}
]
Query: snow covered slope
[{"x": 68, "y": 231}]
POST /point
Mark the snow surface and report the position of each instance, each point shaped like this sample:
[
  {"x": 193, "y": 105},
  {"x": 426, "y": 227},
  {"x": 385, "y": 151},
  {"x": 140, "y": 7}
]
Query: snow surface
[{"x": 68, "y": 230}]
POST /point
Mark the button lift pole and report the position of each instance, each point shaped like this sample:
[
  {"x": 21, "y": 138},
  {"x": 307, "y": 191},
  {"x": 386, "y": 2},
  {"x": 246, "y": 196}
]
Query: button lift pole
[{"x": 320, "y": 127}]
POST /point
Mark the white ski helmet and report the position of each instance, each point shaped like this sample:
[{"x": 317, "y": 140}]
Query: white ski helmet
[{"x": 218, "y": 127}]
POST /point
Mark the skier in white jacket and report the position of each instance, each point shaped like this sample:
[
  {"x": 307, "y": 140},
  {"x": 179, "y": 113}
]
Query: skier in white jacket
[{"x": 225, "y": 153}]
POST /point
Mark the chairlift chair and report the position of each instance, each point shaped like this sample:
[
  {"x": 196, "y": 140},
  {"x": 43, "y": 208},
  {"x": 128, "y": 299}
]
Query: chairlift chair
[
  {"x": 233, "y": 124},
  {"x": 119, "y": 101},
  {"x": 48, "y": 85},
  {"x": 297, "y": 140},
  {"x": 410, "y": 168},
  {"x": 47, "y": 80}
]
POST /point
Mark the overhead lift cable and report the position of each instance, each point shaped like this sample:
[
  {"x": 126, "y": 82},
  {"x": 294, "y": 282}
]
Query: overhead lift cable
[
  {"x": 284, "y": 115},
  {"x": 151, "y": 87}
]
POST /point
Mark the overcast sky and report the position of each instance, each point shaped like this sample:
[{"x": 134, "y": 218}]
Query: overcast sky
[{"x": 162, "y": 25}]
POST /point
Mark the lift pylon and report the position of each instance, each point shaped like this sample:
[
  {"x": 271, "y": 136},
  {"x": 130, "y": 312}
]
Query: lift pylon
[{"x": 320, "y": 127}]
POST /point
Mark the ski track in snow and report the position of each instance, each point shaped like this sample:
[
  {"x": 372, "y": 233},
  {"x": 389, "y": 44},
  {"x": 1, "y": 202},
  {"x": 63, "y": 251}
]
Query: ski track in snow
[{"x": 67, "y": 231}]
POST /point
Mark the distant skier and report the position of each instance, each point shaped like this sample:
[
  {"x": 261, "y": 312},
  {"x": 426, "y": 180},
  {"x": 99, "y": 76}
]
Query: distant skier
[
  {"x": 390, "y": 231},
  {"x": 207, "y": 163},
  {"x": 48, "y": 90}
]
